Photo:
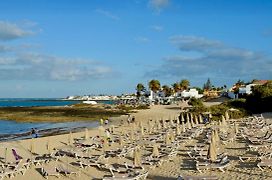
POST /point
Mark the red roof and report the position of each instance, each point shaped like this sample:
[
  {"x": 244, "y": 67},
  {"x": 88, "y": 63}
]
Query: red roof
[{"x": 261, "y": 82}]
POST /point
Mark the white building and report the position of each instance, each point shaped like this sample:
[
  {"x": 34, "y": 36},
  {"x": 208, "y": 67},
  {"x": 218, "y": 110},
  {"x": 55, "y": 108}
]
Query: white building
[
  {"x": 191, "y": 93},
  {"x": 246, "y": 89}
]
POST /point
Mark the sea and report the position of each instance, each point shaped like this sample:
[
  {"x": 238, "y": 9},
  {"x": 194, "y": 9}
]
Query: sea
[
  {"x": 13, "y": 130},
  {"x": 31, "y": 102}
]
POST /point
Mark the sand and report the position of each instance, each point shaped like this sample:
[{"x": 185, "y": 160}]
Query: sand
[{"x": 181, "y": 165}]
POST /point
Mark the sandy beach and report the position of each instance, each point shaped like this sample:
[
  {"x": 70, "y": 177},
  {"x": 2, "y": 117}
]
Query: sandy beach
[{"x": 181, "y": 164}]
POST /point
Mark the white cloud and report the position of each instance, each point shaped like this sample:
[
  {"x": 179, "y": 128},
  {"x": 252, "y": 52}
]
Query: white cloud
[
  {"x": 142, "y": 39},
  {"x": 10, "y": 31},
  {"x": 33, "y": 66},
  {"x": 4, "y": 48},
  {"x": 158, "y": 5},
  {"x": 194, "y": 43},
  {"x": 214, "y": 59},
  {"x": 107, "y": 14},
  {"x": 157, "y": 28}
]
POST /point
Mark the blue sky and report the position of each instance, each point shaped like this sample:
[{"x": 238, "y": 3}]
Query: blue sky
[{"x": 54, "y": 48}]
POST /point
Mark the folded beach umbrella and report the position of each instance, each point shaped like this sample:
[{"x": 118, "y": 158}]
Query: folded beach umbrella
[
  {"x": 163, "y": 124},
  {"x": 167, "y": 139},
  {"x": 182, "y": 117},
  {"x": 172, "y": 136},
  {"x": 48, "y": 145},
  {"x": 196, "y": 120},
  {"x": 191, "y": 116},
  {"x": 216, "y": 137},
  {"x": 171, "y": 121},
  {"x": 149, "y": 126},
  {"x": 137, "y": 157},
  {"x": 159, "y": 125},
  {"x": 6, "y": 152},
  {"x": 177, "y": 118},
  {"x": 142, "y": 130},
  {"x": 155, "y": 151},
  {"x": 31, "y": 148},
  {"x": 121, "y": 142},
  {"x": 70, "y": 138},
  {"x": 200, "y": 119},
  {"x": 227, "y": 115},
  {"x": 212, "y": 154},
  {"x": 122, "y": 131},
  {"x": 132, "y": 136},
  {"x": 86, "y": 133},
  {"x": 112, "y": 129},
  {"x": 183, "y": 127},
  {"x": 178, "y": 131},
  {"x": 223, "y": 120},
  {"x": 189, "y": 125},
  {"x": 236, "y": 126},
  {"x": 192, "y": 123},
  {"x": 187, "y": 117}
]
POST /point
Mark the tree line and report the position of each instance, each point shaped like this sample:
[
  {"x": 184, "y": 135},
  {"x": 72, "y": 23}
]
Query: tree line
[{"x": 155, "y": 85}]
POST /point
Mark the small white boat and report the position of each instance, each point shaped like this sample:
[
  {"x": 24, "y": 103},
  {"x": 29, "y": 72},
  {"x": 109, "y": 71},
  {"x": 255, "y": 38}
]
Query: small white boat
[{"x": 89, "y": 102}]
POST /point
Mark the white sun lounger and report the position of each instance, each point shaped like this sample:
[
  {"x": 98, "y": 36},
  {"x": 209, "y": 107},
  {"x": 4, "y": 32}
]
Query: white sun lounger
[
  {"x": 136, "y": 176},
  {"x": 50, "y": 171},
  {"x": 197, "y": 178}
]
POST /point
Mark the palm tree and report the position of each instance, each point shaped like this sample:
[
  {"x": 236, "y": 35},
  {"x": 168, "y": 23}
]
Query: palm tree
[
  {"x": 176, "y": 87},
  {"x": 167, "y": 90},
  {"x": 154, "y": 85},
  {"x": 238, "y": 84},
  {"x": 184, "y": 84},
  {"x": 139, "y": 88}
]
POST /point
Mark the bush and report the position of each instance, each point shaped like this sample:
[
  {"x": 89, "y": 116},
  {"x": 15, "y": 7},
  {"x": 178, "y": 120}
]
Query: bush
[
  {"x": 195, "y": 102},
  {"x": 261, "y": 99}
]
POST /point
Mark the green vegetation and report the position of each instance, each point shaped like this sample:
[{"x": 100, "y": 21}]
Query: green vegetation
[
  {"x": 130, "y": 108},
  {"x": 176, "y": 87},
  {"x": 198, "y": 106},
  {"x": 207, "y": 85},
  {"x": 261, "y": 98},
  {"x": 154, "y": 85},
  {"x": 140, "y": 88},
  {"x": 167, "y": 90},
  {"x": 237, "y": 112},
  {"x": 218, "y": 110},
  {"x": 78, "y": 112},
  {"x": 184, "y": 84}
]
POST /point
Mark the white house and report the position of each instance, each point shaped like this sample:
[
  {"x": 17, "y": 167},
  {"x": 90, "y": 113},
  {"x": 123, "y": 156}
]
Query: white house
[
  {"x": 246, "y": 89},
  {"x": 191, "y": 93}
]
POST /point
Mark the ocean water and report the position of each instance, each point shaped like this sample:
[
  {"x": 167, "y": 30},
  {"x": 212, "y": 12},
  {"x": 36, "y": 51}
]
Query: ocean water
[
  {"x": 13, "y": 127},
  {"x": 12, "y": 130},
  {"x": 20, "y": 102},
  {"x": 30, "y": 102}
]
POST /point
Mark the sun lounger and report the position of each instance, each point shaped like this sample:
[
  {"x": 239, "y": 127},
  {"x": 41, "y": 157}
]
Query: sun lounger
[
  {"x": 50, "y": 171},
  {"x": 84, "y": 163},
  {"x": 134, "y": 176},
  {"x": 264, "y": 163},
  {"x": 197, "y": 178},
  {"x": 110, "y": 168},
  {"x": 152, "y": 161},
  {"x": 208, "y": 165},
  {"x": 16, "y": 155},
  {"x": 9, "y": 173},
  {"x": 65, "y": 170},
  {"x": 255, "y": 147},
  {"x": 39, "y": 160},
  {"x": 248, "y": 158}
]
